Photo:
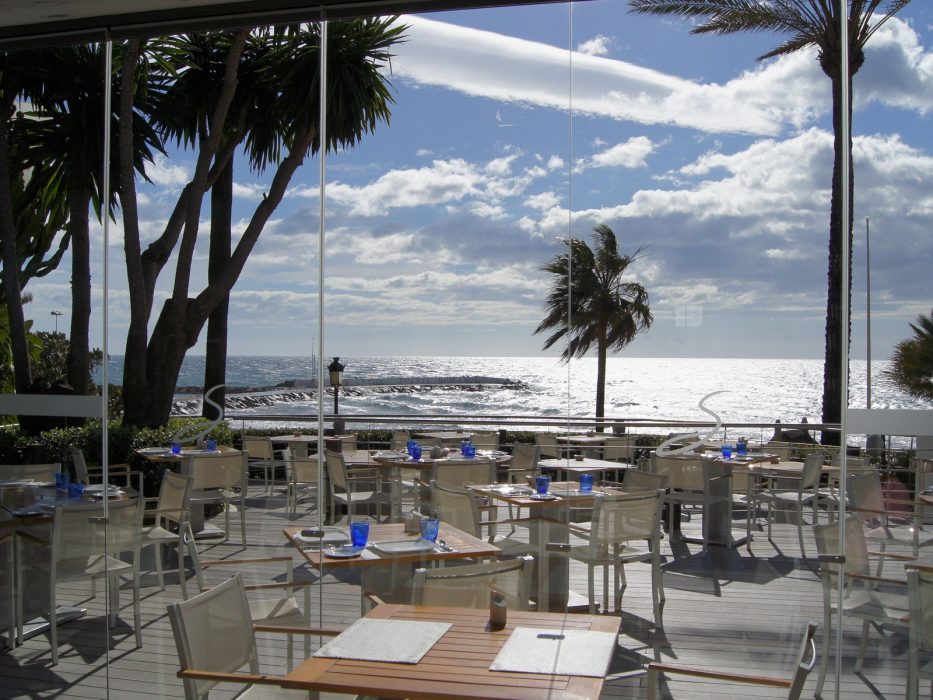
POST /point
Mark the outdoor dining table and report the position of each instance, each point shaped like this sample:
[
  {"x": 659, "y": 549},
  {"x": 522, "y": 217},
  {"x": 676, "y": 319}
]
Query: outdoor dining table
[
  {"x": 573, "y": 467},
  {"x": 374, "y": 563},
  {"x": 589, "y": 444},
  {"x": 457, "y": 666},
  {"x": 549, "y": 532}
]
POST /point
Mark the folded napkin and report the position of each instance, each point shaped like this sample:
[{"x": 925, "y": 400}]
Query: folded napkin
[
  {"x": 396, "y": 641},
  {"x": 391, "y": 454},
  {"x": 564, "y": 652}
]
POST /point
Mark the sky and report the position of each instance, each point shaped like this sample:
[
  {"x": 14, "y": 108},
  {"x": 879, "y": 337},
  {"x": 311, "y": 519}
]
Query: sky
[{"x": 515, "y": 127}]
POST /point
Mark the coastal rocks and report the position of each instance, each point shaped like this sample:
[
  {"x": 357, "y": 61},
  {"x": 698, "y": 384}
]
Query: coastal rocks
[{"x": 245, "y": 398}]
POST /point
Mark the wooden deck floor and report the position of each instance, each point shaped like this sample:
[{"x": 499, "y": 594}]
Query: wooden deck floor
[{"x": 731, "y": 609}]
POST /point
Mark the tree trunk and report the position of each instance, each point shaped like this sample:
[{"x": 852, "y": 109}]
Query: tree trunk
[
  {"x": 77, "y": 363},
  {"x": 601, "y": 379},
  {"x": 22, "y": 373},
  {"x": 215, "y": 361},
  {"x": 836, "y": 286}
]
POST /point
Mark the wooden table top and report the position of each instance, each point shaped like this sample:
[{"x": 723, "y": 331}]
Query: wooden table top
[
  {"x": 458, "y": 665},
  {"x": 463, "y": 544},
  {"x": 925, "y": 498},
  {"x": 923, "y": 563},
  {"x": 166, "y": 454},
  {"x": 46, "y": 498}
]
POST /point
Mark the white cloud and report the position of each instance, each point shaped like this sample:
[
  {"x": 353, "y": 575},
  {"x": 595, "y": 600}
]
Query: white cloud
[
  {"x": 424, "y": 153},
  {"x": 597, "y": 46},
  {"x": 555, "y": 163},
  {"x": 631, "y": 154},
  {"x": 161, "y": 172},
  {"x": 252, "y": 191},
  {"x": 543, "y": 201}
]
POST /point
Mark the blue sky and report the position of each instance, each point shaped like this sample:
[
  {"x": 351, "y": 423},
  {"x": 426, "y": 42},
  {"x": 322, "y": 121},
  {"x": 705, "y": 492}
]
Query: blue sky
[{"x": 513, "y": 127}]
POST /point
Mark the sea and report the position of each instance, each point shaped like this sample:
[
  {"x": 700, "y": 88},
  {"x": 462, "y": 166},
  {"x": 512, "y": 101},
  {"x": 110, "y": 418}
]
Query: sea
[{"x": 754, "y": 390}]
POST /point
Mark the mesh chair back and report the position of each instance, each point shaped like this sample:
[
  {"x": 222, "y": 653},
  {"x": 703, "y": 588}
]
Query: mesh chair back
[
  {"x": 214, "y": 632},
  {"x": 920, "y": 595},
  {"x": 619, "y": 449},
  {"x": 336, "y": 469},
  {"x": 547, "y": 445},
  {"x": 803, "y": 667},
  {"x": 812, "y": 470},
  {"x": 685, "y": 473},
  {"x": 456, "y": 507},
  {"x": 460, "y": 473},
  {"x": 174, "y": 496},
  {"x": 485, "y": 440},
  {"x": 636, "y": 480},
  {"x": 468, "y": 586},
  {"x": 74, "y": 538},
  {"x": 624, "y": 517},
  {"x": 856, "y": 552},
  {"x": 24, "y": 472},
  {"x": 258, "y": 447},
  {"x": 865, "y": 492},
  {"x": 81, "y": 473},
  {"x": 525, "y": 456},
  {"x": 303, "y": 470},
  {"x": 217, "y": 471},
  {"x": 400, "y": 440}
]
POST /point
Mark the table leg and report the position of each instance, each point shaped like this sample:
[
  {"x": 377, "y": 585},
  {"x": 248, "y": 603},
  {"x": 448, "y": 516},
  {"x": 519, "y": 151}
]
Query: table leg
[{"x": 551, "y": 582}]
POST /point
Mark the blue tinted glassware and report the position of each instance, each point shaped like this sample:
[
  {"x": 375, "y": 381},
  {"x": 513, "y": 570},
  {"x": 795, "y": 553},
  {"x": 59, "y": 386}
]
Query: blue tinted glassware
[
  {"x": 76, "y": 490},
  {"x": 211, "y": 445},
  {"x": 416, "y": 452},
  {"x": 429, "y": 529},
  {"x": 586, "y": 483},
  {"x": 542, "y": 484},
  {"x": 176, "y": 448},
  {"x": 726, "y": 451},
  {"x": 359, "y": 533},
  {"x": 742, "y": 447}
]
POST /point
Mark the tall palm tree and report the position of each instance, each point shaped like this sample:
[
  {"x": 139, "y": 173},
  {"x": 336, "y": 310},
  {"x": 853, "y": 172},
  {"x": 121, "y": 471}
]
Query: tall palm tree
[
  {"x": 589, "y": 303},
  {"x": 806, "y": 23},
  {"x": 912, "y": 364}
]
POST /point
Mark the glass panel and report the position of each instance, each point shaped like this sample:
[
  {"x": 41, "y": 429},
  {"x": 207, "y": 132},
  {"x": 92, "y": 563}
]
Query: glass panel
[{"x": 50, "y": 524}]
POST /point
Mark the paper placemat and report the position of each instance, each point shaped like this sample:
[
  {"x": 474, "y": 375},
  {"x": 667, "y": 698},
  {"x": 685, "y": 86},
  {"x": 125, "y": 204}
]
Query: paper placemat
[
  {"x": 396, "y": 641},
  {"x": 565, "y": 652}
]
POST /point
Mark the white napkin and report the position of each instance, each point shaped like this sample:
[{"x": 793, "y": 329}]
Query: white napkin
[{"x": 564, "y": 652}]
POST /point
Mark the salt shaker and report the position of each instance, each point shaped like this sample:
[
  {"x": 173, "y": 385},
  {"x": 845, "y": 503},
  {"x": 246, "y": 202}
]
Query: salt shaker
[{"x": 413, "y": 523}]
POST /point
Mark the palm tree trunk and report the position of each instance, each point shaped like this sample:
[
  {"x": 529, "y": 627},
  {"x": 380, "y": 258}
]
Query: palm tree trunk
[
  {"x": 22, "y": 373},
  {"x": 215, "y": 361},
  {"x": 77, "y": 362},
  {"x": 836, "y": 286},
  {"x": 601, "y": 380}
]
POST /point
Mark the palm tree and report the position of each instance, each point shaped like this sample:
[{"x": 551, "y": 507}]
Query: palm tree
[
  {"x": 807, "y": 23},
  {"x": 589, "y": 303},
  {"x": 912, "y": 364}
]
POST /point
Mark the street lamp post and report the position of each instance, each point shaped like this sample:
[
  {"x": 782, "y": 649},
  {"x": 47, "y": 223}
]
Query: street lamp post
[
  {"x": 336, "y": 379},
  {"x": 56, "y": 314}
]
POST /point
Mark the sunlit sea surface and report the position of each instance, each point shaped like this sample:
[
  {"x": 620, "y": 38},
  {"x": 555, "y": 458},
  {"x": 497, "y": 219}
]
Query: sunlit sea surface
[{"x": 759, "y": 390}]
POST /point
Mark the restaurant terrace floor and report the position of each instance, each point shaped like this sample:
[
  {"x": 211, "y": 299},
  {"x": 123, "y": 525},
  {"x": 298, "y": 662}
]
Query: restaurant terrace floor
[{"x": 731, "y": 609}]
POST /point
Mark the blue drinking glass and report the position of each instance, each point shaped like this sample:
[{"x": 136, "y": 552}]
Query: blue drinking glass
[
  {"x": 726, "y": 451},
  {"x": 61, "y": 481},
  {"x": 416, "y": 452},
  {"x": 742, "y": 447},
  {"x": 76, "y": 490},
  {"x": 464, "y": 445},
  {"x": 429, "y": 529},
  {"x": 586, "y": 483},
  {"x": 211, "y": 445},
  {"x": 359, "y": 533},
  {"x": 470, "y": 450},
  {"x": 176, "y": 448},
  {"x": 542, "y": 484},
  {"x": 410, "y": 444}
]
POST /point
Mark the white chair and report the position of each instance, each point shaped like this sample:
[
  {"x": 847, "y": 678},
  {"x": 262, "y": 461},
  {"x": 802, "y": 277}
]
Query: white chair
[
  {"x": 458, "y": 473},
  {"x": 262, "y": 456},
  {"x": 547, "y": 446},
  {"x": 302, "y": 473},
  {"x": 920, "y": 596},
  {"x": 347, "y": 490},
  {"x": 85, "y": 551},
  {"x": 807, "y": 493},
  {"x": 171, "y": 523},
  {"x": 619, "y": 449},
  {"x": 524, "y": 462},
  {"x": 220, "y": 478},
  {"x": 469, "y": 586},
  {"x": 861, "y": 598},
  {"x": 279, "y": 612},
  {"x": 692, "y": 482},
  {"x": 887, "y": 521},
  {"x": 88, "y": 475},
  {"x": 462, "y": 509},
  {"x": 214, "y": 638},
  {"x": 618, "y": 520},
  {"x": 485, "y": 440},
  {"x": 794, "y": 684}
]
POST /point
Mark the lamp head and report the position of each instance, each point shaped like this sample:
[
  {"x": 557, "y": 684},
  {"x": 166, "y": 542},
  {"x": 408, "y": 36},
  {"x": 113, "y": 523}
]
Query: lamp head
[{"x": 336, "y": 372}]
